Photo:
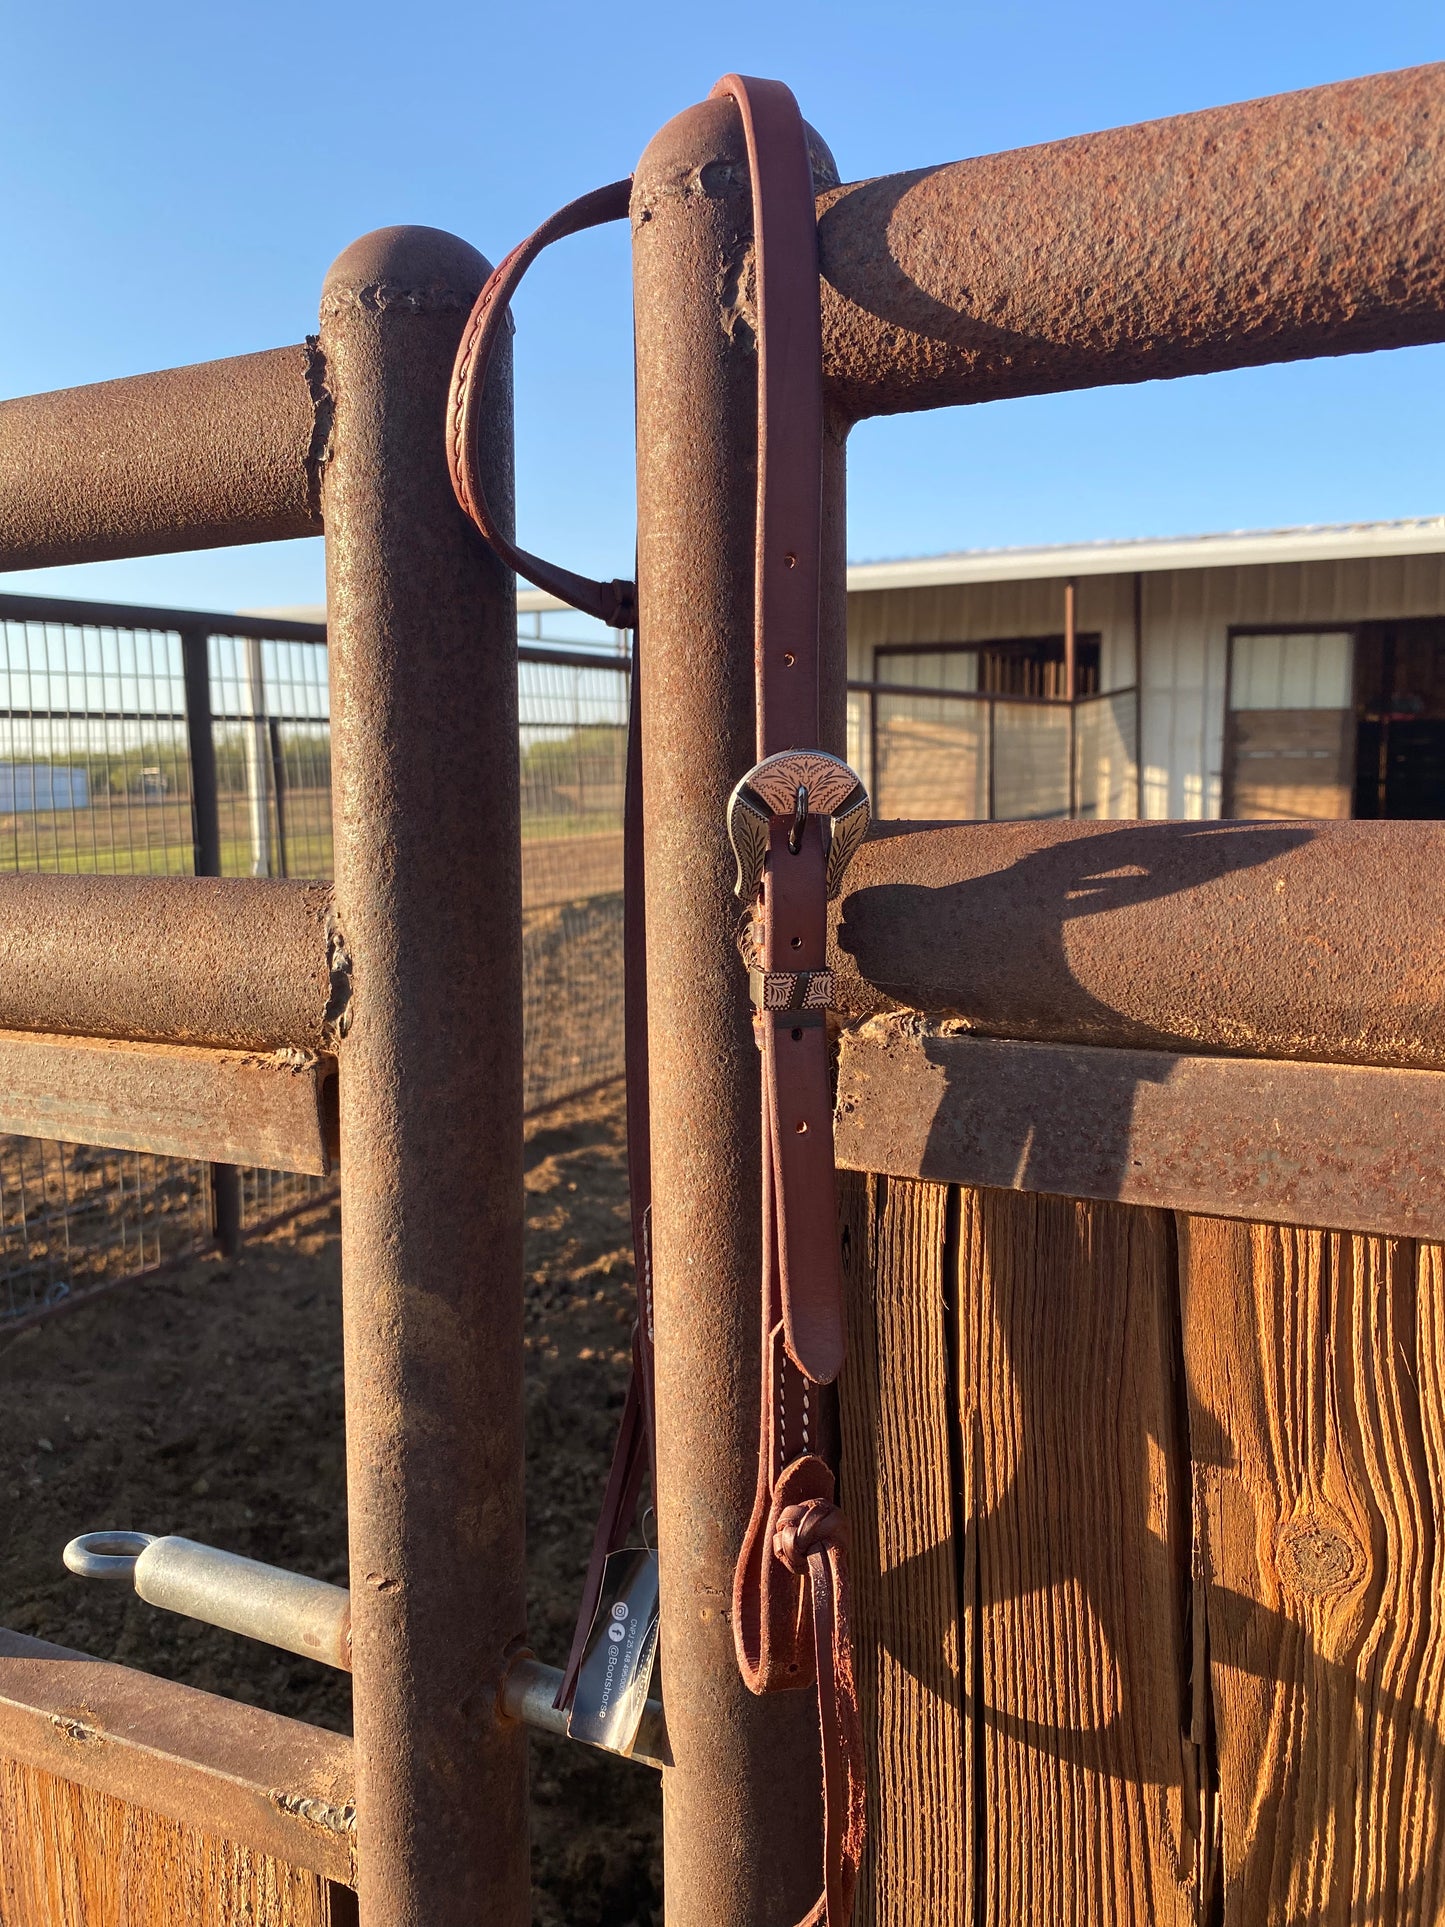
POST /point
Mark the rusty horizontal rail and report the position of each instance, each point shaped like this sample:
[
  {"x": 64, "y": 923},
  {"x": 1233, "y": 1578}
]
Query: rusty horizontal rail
[
  {"x": 1282, "y": 940},
  {"x": 1351, "y": 1147},
  {"x": 244, "y": 964},
  {"x": 275, "y": 1110},
  {"x": 224, "y": 1768},
  {"x": 1305, "y": 224},
  {"x": 192, "y": 458}
]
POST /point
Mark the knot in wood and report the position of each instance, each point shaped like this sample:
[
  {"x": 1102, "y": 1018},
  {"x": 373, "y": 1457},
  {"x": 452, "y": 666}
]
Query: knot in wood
[{"x": 1318, "y": 1554}]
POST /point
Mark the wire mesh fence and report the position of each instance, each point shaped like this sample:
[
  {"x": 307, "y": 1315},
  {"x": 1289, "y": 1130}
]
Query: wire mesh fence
[
  {"x": 574, "y": 764},
  {"x": 955, "y": 755},
  {"x": 100, "y": 768}
]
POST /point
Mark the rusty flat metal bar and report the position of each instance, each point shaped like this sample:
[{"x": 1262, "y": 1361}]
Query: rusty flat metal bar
[
  {"x": 273, "y": 1784},
  {"x": 1290, "y": 940},
  {"x": 192, "y": 458},
  {"x": 1306, "y": 224},
  {"x": 231, "y": 1107},
  {"x": 428, "y": 889},
  {"x": 235, "y": 963},
  {"x": 740, "y": 1802},
  {"x": 133, "y": 615},
  {"x": 1348, "y": 1147}
]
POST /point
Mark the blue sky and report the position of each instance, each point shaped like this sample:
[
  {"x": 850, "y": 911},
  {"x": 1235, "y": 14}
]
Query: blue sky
[{"x": 177, "y": 178}]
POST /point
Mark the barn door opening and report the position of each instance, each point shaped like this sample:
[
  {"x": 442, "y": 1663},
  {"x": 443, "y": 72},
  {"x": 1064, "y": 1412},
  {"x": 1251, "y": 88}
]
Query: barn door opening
[
  {"x": 1290, "y": 724},
  {"x": 1400, "y": 763}
]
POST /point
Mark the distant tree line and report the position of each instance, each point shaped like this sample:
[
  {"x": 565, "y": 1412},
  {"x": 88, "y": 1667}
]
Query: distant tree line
[
  {"x": 161, "y": 766},
  {"x": 578, "y": 773}
]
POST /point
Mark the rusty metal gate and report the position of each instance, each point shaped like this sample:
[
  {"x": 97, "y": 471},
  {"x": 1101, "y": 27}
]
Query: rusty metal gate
[{"x": 1148, "y": 1469}]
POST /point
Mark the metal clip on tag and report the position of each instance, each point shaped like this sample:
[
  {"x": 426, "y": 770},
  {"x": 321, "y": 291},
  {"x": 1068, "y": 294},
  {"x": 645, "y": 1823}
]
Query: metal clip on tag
[{"x": 611, "y": 1692}]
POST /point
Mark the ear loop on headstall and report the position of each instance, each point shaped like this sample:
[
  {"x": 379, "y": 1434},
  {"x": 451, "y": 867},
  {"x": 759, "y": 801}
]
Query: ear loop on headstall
[{"x": 614, "y": 603}]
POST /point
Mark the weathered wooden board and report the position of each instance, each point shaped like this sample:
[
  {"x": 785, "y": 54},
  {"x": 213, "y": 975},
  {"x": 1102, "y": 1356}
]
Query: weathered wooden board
[
  {"x": 899, "y": 1487},
  {"x": 1349, "y": 1146},
  {"x": 1088, "y": 1787},
  {"x": 73, "y": 1857},
  {"x": 231, "y": 1107},
  {"x": 278, "y": 1786},
  {"x": 1016, "y": 1471},
  {"x": 1316, "y": 1372}
]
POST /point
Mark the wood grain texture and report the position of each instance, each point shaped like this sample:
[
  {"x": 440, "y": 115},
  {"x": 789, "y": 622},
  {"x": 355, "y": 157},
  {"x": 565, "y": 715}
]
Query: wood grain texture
[
  {"x": 177, "y": 1100},
  {"x": 898, "y": 1489},
  {"x": 1316, "y": 1367},
  {"x": 278, "y": 1785},
  {"x": 1015, "y": 1473},
  {"x": 1086, "y": 1783},
  {"x": 72, "y": 1857}
]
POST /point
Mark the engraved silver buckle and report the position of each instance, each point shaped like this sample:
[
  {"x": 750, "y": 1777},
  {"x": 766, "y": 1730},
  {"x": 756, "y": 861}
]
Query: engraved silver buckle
[{"x": 796, "y": 783}]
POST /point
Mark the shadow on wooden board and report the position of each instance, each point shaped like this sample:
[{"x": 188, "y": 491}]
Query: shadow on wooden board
[{"x": 1149, "y": 1564}]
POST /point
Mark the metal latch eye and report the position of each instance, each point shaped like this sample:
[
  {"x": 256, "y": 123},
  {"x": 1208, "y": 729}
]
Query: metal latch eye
[{"x": 107, "y": 1555}]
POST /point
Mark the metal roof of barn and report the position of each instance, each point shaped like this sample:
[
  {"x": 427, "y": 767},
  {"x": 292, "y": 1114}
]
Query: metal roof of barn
[
  {"x": 1232, "y": 549},
  {"x": 1418, "y": 535}
]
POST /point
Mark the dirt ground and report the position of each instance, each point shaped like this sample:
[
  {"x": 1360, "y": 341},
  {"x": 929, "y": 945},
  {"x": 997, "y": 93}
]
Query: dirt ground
[{"x": 208, "y": 1401}]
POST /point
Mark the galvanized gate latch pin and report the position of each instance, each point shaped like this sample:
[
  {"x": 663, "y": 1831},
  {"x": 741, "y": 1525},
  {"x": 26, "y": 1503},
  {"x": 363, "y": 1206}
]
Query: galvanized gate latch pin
[{"x": 305, "y": 1616}]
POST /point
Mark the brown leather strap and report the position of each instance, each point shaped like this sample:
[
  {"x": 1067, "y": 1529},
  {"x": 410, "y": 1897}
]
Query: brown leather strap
[
  {"x": 790, "y": 413},
  {"x": 610, "y": 602},
  {"x": 790, "y": 1589},
  {"x": 635, "y": 1452}
]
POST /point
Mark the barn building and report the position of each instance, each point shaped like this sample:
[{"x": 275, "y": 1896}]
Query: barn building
[{"x": 1286, "y": 673}]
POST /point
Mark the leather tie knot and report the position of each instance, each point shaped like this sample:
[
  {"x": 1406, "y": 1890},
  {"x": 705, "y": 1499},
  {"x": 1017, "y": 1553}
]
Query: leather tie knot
[{"x": 810, "y": 1527}]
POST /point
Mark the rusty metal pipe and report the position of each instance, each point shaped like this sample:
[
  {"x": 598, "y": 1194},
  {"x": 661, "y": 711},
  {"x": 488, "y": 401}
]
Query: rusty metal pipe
[
  {"x": 192, "y": 458},
  {"x": 235, "y": 963},
  {"x": 428, "y": 888},
  {"x": 1292, "y": 940},
  {"x": 529, "y": 1694},
  {"x": 740, "y": 1803},
  {"x": 1305, "y": 224}
]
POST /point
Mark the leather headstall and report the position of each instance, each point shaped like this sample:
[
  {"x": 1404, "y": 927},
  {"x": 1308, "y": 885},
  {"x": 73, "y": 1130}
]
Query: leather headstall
[
  {"x": 790, "y": 1591},
  {"x": 794, "y": 821}
]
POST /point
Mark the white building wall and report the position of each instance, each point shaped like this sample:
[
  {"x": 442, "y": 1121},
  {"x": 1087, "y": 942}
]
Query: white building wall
[
  {"x": 1185, "y": 617},
  {"x": 994, "y": 612},
  {"x": 1187, "y": 614}
]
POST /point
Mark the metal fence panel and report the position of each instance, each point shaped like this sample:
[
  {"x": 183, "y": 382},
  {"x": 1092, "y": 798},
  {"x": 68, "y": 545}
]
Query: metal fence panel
[
  {"x": 95, "y": 776},
  {"x": 574, "y": 762}
]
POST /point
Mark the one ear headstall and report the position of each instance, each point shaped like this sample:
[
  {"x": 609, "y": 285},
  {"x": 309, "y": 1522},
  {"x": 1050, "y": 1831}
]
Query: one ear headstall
[{"x": 790, "y": 1588}]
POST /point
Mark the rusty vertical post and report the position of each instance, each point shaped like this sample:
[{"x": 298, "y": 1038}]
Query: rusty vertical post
[
  {"x": 1071, "y": 689},
  {"x": 278, "y": 791},
  {"x": 428, "y": 896},
  {"x": 741, "y": 1824}
]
